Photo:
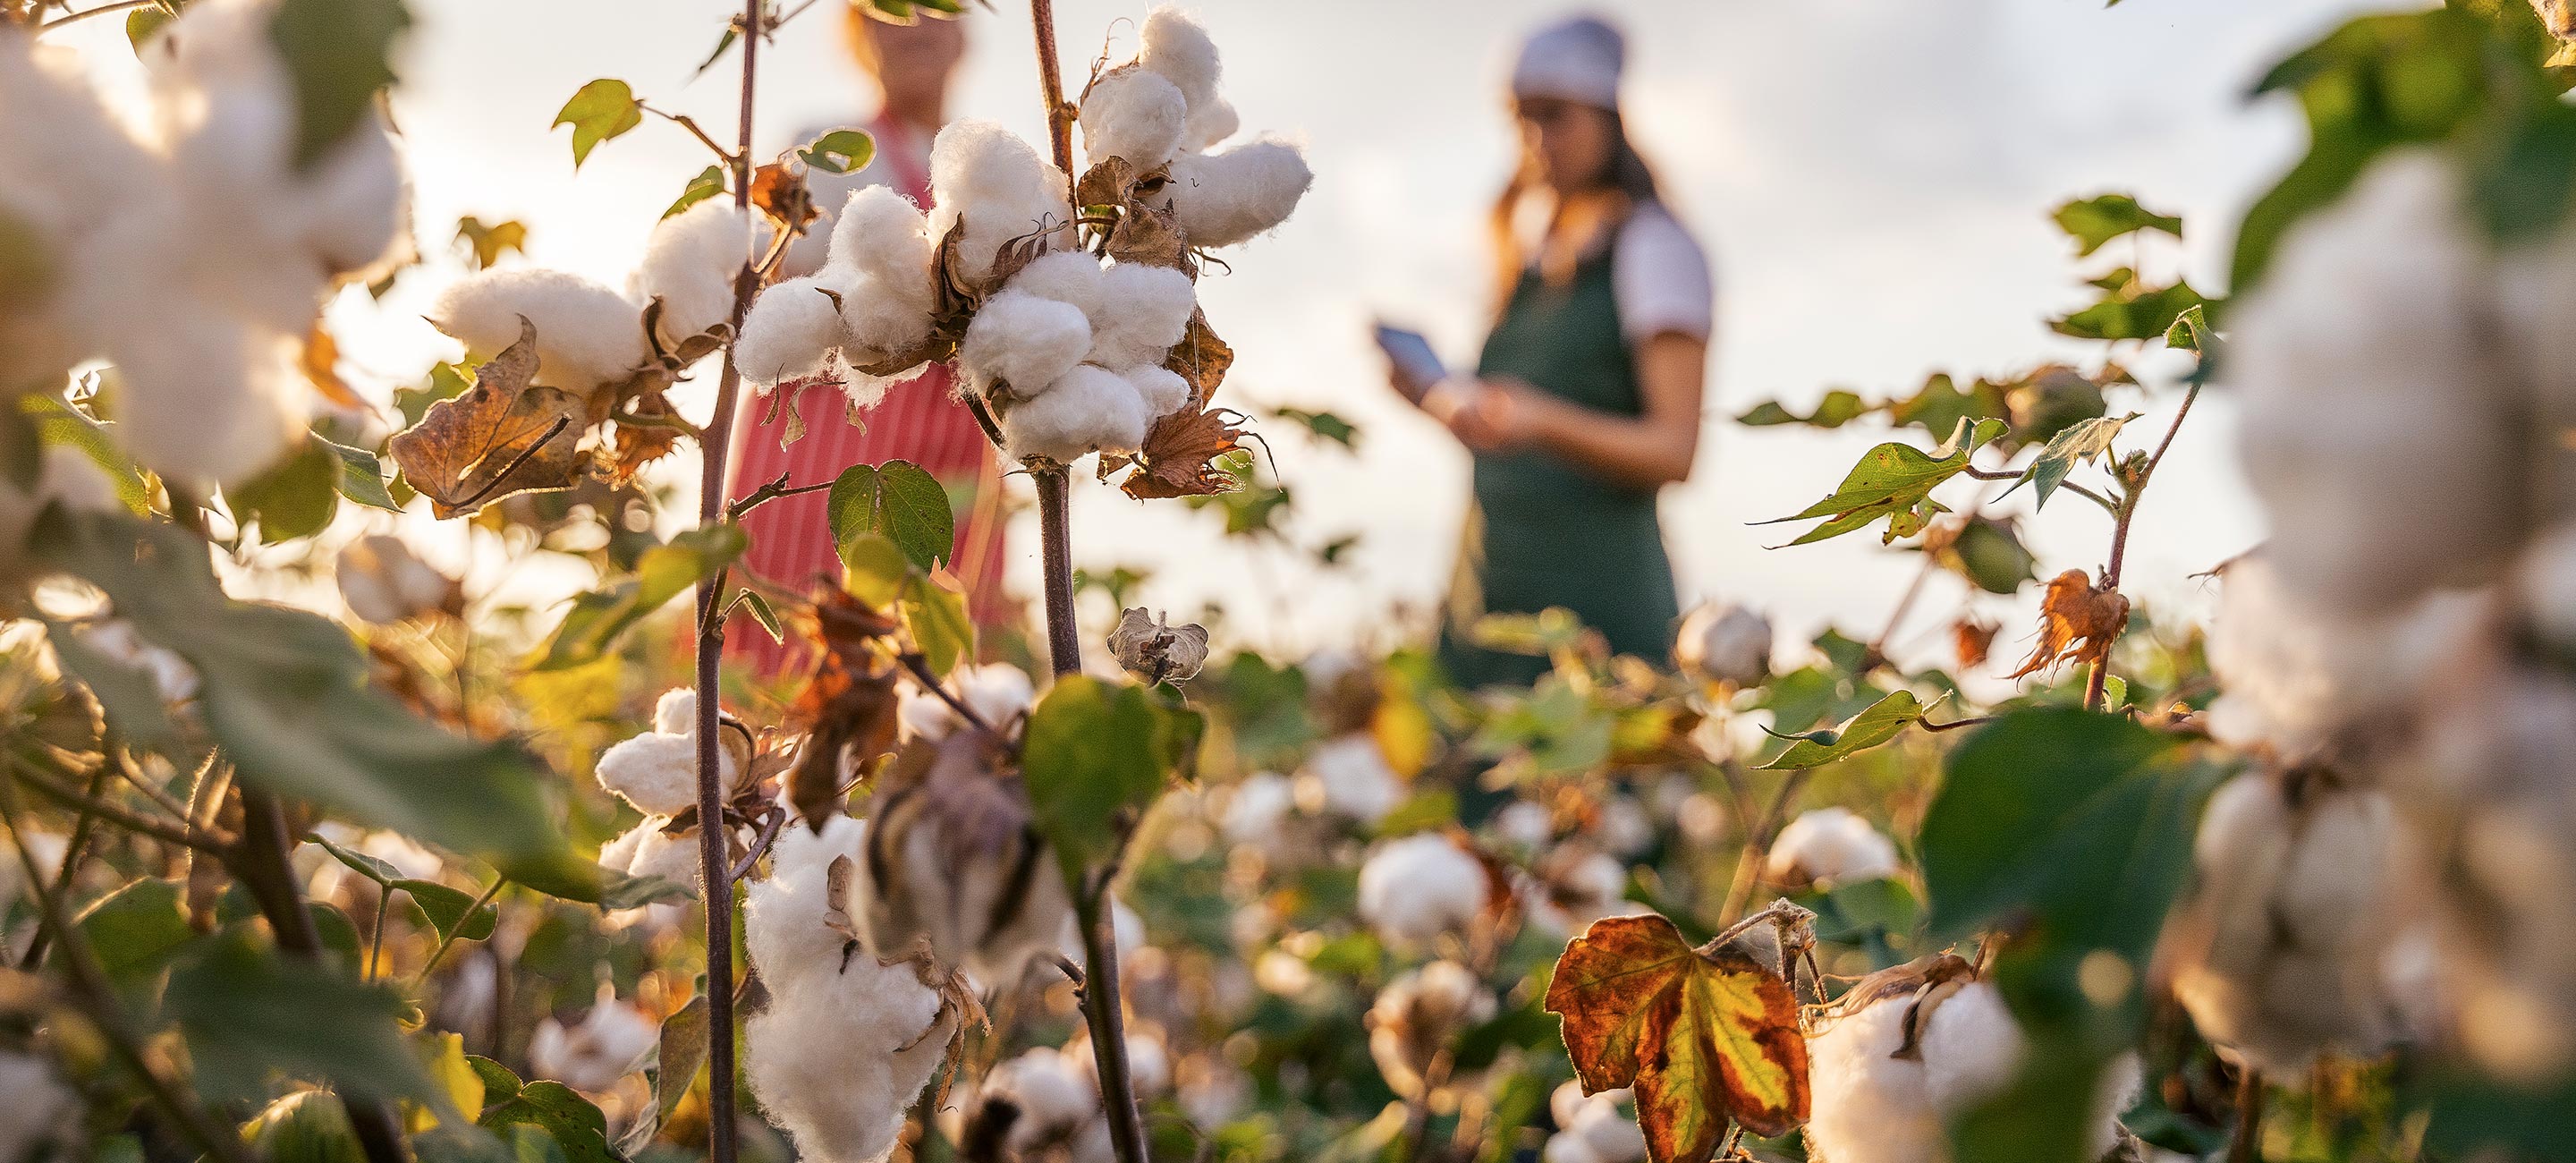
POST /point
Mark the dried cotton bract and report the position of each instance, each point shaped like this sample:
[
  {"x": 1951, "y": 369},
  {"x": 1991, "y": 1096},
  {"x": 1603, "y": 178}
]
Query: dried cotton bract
[
  {"x": 1415, "y": 889},
  {"x": 1417, "y": 1015}
]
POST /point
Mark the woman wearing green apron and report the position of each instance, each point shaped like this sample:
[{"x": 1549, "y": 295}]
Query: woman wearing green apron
[{"x": 1586, "y": 402}]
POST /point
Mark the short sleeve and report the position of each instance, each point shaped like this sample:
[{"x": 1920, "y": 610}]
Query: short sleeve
[{"x": 1660, "y": 278}]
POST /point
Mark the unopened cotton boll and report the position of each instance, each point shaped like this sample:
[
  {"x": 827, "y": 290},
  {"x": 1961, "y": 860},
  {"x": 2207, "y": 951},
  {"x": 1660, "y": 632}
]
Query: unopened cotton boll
[
  {"x": 608, "y": 1044},
  {"x": 1162, "y": 390},
  {"x": 790, "y": 332},
  {"x": 1354, "y": 777},
  {"x": 1228, "y": 197},
  {"x": 1088, "y": 409},
  {"x": 690, "y": 261},
  {"x": 1023, "y": 343},
  {"x": 1831, "y": 845},
  {"x": 1135, "y": 114},
  {"x": 1173, "y": 45},
  {"x": 1725, "y": 643},
  {"x": 1143, "y": 311},
  {"x": 993, "y": 188},
  {"x": 1413, "y": 890},
  {"x": 587, "y": 334}
]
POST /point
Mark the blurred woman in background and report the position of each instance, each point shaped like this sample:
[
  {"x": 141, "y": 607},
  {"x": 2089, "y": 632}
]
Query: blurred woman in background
[
  {"x": 1586, "y": 401},
  {"x": 920, "y": 421}
]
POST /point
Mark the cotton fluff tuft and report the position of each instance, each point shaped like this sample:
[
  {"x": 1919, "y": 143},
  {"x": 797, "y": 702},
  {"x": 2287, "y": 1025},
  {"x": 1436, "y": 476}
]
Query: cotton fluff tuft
[
  {"x": 789, "y": 333},
  {"x": 657, "y": 771},
  {"x": 2303, "y": 680},
  {"x": 880, "y": 320},
  {"x": 1022, "y": 342},
  {"x": 608, "y": 1044},
  {"x": 880, "y": 234},
  {"x": 1053, "y": 1099},
  {"x": 587, "y": 334},
  {"x": 1353, "y": 779},
  {"x": 1871, "y": 1106},
  {"x": 690, "y": 260},
  {"x": 1226, "y": 198},
  {"x": 1416, "y": 888},
  {"x": 1831, "y": 845},
  {"x": 676, "y": 712},
  {"x": 1144, "y": 310},
  {"x": 1174, "y": 45},
  {"x": 1210, "y": 124},
  {"x": 994, "y": 188},
  {"x": 829, "y": 1059},
  {"x": 1088, "y": 409},
  {"x": 1726, "y": 643},
  {"x": 998, "y": 692},
  {"x": 82, "y": 191},
  {"x": 1133, "y": 113},
  {"x": 1067, "y": 276},
  {"x": 1162, "y": 389}
]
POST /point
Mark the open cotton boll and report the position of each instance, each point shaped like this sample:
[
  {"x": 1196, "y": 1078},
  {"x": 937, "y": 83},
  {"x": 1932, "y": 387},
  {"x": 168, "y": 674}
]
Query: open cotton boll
[
  {"x": 1162, "y": 389},
  {"x": 657, "y": 773},
  {"x": 840, "y": 1052},
  {"x": 1023, "y": 343},
  {"x": 878, "y": 320},
  {"x": 1209, "y": 124},
  {"x": 207, "y": 399},
  {"x": 1971, "y": 1047},
  {"x": 673, "y": 856},
  {"x": 618, "y": 851},
  {"x": 690, "y": 261},
  {"x": 994, "y": 188},
  {"x": 587, "y": 334},
  {"x": 1724, "y": 642},
  {"x": 1052, "y": 1100},
  {"x": 1831, "y": 845},
  {"x": 1089, "y": 409},
  {"x": 1133, "y": 113},
  {"x": 879, "y": 233},
  {"x": 1592, "y": 1129},
  {"x": 1066, "y": 276},
  {"x": 1353, "y": 778},
  {"x": 1222, "y": 199},
  {"x": 676, "y": 712},
  {"x": 357, "y": 201},
  {"x": 609, "y": 1043},
  {"x": 786, "y": 921},
  {"x": 1174, "y": 45},
  {"x": 70, "y": 179},
  {"x": 789, "y": 333},
  {"x": 2302, "y": 680},
  {"x": 1416, "y": 888},
  {"x": 1143, "y": 311}
]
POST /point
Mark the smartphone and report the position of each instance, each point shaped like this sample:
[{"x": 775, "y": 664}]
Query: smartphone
[{"x": 1417, "y": 367}]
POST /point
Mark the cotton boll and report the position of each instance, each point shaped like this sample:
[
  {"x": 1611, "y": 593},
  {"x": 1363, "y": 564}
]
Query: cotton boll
[
  {"x": 1831, "y": 845},
  {"x": 1415, "y": 889},
  {"x": 1023, "y": 343},
  {"x": 881, "y": 235},
  {"x": 657, "y": 773},
  {"x": 672, "y": 856},
  {"x": 207, "y": 399},
  {"x": 1354, "y": 779},
  {"x": 1226, "y": 198},
  {"x": 676, "y": 712},
  {"x": 1417, "y": 1015},
  {"x": 1162, "y": 389},
  {"x": 786, "y": 923},
  {"x": 70, "y": 179},
  {"x": 1067, "y": 276},
  {"x": 1259, "y": 808},
  {"x": 1971, "y": 1047},
  {"x": 619, "y": 851},
  {"x": 1866, "y": 1104},
  {"x": 1053, "y": 1101},
  {"x": 1174, "y": 45},
  {"x": 790, "y": 331},
  {"x": 690, "y": 262},
  {"x": 2310, "y": 683},
  {"x": 1133, "y": 113},
  {"x": 999, "y": 693},
  {"x": 841, "y": 1051},
  {"x": 1725, "y": 643},
  {"x": 587, "y": 334},
  {"x": 1089, "y": 409},
  {"x": 1524, "y": 825},
  {"x": 358, "y": 201},
  {"x": 609, "y": 1043},
  {"x": 1593, "y": 1128},
  {"x": 879, "y": 321},
  {"x": 1210, "y": 124},
  {"x": 1144, "y": 310},
  {"x": 994, "y": 188}
]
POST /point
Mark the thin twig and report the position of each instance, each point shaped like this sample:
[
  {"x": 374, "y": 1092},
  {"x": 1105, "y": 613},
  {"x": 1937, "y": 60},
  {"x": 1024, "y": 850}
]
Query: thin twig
[
  {"x": 130, "y": 821},
  {"x": 1956, "y": 724},
  {"x": 123, "y": 761},
  {"x": 449, "y": 938},
  {"x": 2099, "y": 677},
  {"x": 684, "y": 121},
  {"x": 920, "y": 668},
  {"x": 771, "y": 492},
  {"x": 759, "y": 845},
  {"x": 72, "y": 852}
]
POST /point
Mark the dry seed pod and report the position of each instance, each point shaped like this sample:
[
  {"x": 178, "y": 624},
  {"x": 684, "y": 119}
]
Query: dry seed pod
[{"x": 954, "y": 856}]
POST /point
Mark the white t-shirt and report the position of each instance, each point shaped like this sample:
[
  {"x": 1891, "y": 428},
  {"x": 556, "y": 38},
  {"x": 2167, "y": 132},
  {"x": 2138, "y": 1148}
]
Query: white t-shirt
[{"x": 1658, "y": 275}]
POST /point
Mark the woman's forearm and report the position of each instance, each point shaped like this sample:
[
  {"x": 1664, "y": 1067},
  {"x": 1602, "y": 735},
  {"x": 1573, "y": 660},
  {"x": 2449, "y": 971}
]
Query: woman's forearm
[{"x": 1638, "y": 452}]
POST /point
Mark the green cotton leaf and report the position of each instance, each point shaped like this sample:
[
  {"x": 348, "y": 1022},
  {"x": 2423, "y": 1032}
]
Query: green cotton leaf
[
  {"x": 307, "y": 1126},
  {"x": 248, "y": 1011},
  {"x": 897, "y": 501},
  {"x": 2075, "y": 445},
  {"x": 680, "y": 1056},
  {"x": 142, "y": 24},
  {"x": 936, "y": 617},
  {"x": 2475, "y": 1117},
  {"x": 620, "y": 891},
  {"x": 842, "y": 151},
  {"x": 1883, "y": 721},
  {"x": 1325, "y": 425},
  {"x": 1940, "y": 404},
  {"x": 598, "y": 619},
  {"x": 2092, "y": 222},
  {"x": 373, "y": 868},
  {"x": 2132, "y": 313},
  {"x": 136, "y": 930},
  {"x": 709, "y": 183},
  {"x": 293, "y": 500},
  {"x": 1095, "y": 755},
  {"x": 1990, "y": 555},
  {"x": 451, "y": 911},
  {"x": 1895, "y": 482},
  {"x": 601, "y": 110},
  {"x": 732, "y": 33},
  {"x": 760, "y": 612},
  {"x": 489, "y": 241},
  {"x": 1839, "y": 407},
  {"x": 874, "y": 570},
  {"x": 362, "y": 476},
  {"x": 562, "y": 1113},
  {"x": 336, "y": 54},
  {"x": 2190, "y": 330},
  {"x": 287, "y": 694}
]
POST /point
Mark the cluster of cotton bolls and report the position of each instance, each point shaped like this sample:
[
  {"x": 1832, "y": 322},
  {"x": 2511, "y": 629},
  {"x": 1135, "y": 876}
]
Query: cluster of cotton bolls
[
  {"x": 193, "y": 250},
  {"x": 1897, "y": 1060},
  {"x": 1045, "y": 1103},
  {"x": 657, "y": 772},
  {"x": 607, "y": 1044},
  {"x": 1419, "y": 888},
  {"x": 1592, "y": 1128},
  {"x": 1162, "y": 111},
  {"x": 848, "y": 1038},
  {"x": 1830, "y": 846},
  {"x": 1418, "y": 1015},
  {"x": 1725, "y": 644}
]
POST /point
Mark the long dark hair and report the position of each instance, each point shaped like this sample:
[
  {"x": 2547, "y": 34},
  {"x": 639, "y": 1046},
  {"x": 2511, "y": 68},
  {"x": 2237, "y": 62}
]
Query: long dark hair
[{"x": 1624, "y": 183}]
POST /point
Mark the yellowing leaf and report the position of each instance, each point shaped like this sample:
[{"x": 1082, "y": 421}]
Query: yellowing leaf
[
  {"x": 504, "y": 435},
  {"x": 1704, "y": 1035},
  {"x": 597, "y": 112},
  {"x": 1895, "y": 481}
]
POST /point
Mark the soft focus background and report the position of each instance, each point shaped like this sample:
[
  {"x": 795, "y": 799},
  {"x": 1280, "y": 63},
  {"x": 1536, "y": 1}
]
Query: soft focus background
[{"x": 1872, "y": 177}]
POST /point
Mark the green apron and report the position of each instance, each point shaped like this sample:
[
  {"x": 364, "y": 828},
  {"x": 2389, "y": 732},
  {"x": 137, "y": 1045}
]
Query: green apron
[{"x": 1544, "y": 531}]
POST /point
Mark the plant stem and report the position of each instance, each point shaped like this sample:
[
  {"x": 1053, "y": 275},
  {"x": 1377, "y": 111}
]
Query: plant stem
[
  {"x": 130, "y": 821},
  {"x": 72, "y": 852},
  {"x": 714, "y": 862},
  {"x": 2246, "y": 1145},
  {"x": 449, "y": 938},
  {"x": 2122, "y": 514},
  {"x": 1055, "y": 548},
  {"x": 1103, "y": 1013}
]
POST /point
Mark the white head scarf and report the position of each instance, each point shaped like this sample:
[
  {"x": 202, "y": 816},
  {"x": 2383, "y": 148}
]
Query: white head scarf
[{"x": 1576, "y": 59}]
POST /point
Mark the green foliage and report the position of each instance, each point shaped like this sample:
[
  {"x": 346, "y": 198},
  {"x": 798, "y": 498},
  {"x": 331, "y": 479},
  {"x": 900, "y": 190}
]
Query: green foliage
[
  {"x": 1894, "y": 482},
  {"x": 2093, "y": 222},
  {"x": 2089, "y": 440},
  {"x": 598, "y": 619},
  {"x": 295, "y": 499},
  {"x": 1096, "y": 754},
  {"x": 708, "y": 183},
  {"x": 2132, "y": 312},
  {"x": 361, "y": 477},
  {"x": 599, "y": 111},
  {"x": 489, "y": 242},
  {"x": 1884, "y": 720},
  {"x": 247, "y": 1011},
  {"x": 559, "y": 1111},
  {"x": 1325, "y": 425},
  {"x": 1988, "y": 553},
  {"x": 136, "y": 930},
  {"x": 897, "y": 501},
  {"x": 841, "y": 151},
  {"x": 336, "y": 57},
  {"x": 1837, "y": 408},
  {"x": 308, "y": 1126},
  {"x": 43, "y": 420}
]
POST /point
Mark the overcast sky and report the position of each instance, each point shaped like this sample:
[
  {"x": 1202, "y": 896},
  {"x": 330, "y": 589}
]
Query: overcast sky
[{"x": 1870, "y": 176}]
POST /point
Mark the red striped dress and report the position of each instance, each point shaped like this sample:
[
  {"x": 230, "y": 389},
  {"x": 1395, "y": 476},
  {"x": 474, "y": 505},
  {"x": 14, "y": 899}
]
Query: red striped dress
[{"x": 919, "y": 421}]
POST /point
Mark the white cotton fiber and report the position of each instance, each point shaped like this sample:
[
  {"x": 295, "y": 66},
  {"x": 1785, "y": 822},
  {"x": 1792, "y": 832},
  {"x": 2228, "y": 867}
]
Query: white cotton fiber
[
  {"x": 1053, "y": 1098},
  {"x": 657, "y": 773},
  {"x": 882, "y": 235},
  {"x": 1144, "y": 310},
  {"x": 1089, "y": 409},
  {"x": 1162, "y": 389},
  {"x": 1971, "y": 1047},
  {"x": 1174, "y": 45},
  {"x": 1066, "y": 276},
  {"x": 845, "y": 1043},
  {"x": 1023, "y": 342},
  {"x": 676, "y": 712},
  {"x": 1354, "y": 777},
  {"x": 73, "y": 183},
  {"x": 1222, "y": 199},
  {"x": 1133, "y": 113},
  {"x": 673, "y": 856},
  {"x": 995, "y": 188},
  {"x": 1866, "y": 1104},
  {"x": 1260, "y": 806},
  {"x": 1831, "y": 845},
  {"x": 690, "y": 261},
  {"x": 998, "y": 692},
  {"x": 2299, "y": 678},
  {"x": 587, "y": 334},
  {"x": 879, "y": 320},
  {"x": 785, "y": 919},
  {"x": 618, "y": 851},
  {"x": 207, "y": 399},
  {"x": 1210, "y": 124},
  {"x": 789, "y": 333},
  {"x": 1725, "y": 642},
  {"x": 1416, "y": 888}
]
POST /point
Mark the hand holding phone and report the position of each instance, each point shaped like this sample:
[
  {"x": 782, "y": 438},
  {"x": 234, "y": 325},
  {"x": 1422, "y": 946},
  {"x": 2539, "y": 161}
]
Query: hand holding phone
[{"x": 1416, "y": 366}]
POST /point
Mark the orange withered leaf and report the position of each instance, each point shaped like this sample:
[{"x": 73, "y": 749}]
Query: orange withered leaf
[
  {"x": 645, "y": 433},
  {"x": 780, "y": 193},
  {"x": 502, "y": 436},
  {"x": 1704, "y": 1035},
  {"x": 1972, "y": 638},
  {"x": 2077, "y": 623},
  {"x": 847, "y": 708},
  {"x": 1175, "y": 461}
]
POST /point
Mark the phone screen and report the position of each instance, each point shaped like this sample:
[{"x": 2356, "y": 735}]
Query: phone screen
[{"x": 1416, "y": 364}]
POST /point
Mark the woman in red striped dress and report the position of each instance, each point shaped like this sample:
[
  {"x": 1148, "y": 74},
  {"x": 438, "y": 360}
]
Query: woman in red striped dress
[{"x": 920, "y": 420}]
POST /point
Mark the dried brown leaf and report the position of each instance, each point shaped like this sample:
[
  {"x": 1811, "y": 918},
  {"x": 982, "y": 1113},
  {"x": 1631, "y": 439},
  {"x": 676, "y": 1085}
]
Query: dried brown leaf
[
  {"x": 2077, "y": 623},
  {"x": 1176, "y": 459},
  {"x": 648, "y": 432},
  {"x": 1972, "y": 639},
  {"x": 1200, "y": 358},
  {"x": 780, "y": 193},
  {"x": 502, "y": 436},
  {"x": 321, "y": 364},
  {"x": 847, "y": 707}
]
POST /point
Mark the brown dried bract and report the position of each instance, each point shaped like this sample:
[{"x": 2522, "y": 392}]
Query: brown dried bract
[
  {"x": 1972, "y": 639},
  {"x": 2078, "y": 623},
  {"x": 781, "y": 194},
  {"x": 848, "y": 707},
  {"x": 1177, "y": 460},
  {"x": 502, "y": 436},
  {"x": 641, "y": 443}
]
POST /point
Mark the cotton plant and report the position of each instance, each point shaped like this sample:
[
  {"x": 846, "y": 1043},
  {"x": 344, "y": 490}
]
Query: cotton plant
[
  {"x": 610, "y": 1042},
  {"x": 655, "y": 772}
]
